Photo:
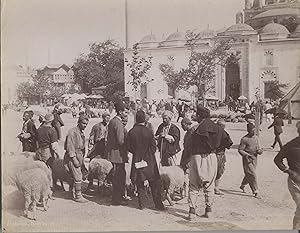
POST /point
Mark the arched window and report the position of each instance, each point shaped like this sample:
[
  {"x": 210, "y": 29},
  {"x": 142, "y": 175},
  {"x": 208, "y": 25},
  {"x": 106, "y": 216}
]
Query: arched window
[{"x": 269, "y": 58}]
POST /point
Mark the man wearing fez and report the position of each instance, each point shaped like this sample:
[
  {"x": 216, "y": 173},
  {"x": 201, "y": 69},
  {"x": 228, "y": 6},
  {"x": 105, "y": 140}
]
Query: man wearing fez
[
  {"x": 98, "y": 136},
  {"x": 74, "y": 156},
  {"x": 141, "y": 143},
  {"x": 28, "y": 134},
  {"x": 249, "y": 149},
  {"x": 168, "y": 136},
  {"x": 47, "y": 141},
  {"x": 291, "y": 152},
  {"x": 205, "y": 141},
  {"x": 116, "y": 153}
]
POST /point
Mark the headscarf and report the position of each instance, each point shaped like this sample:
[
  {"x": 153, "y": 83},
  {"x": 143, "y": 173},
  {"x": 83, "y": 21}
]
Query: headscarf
[{"x": 168, "y": 114}]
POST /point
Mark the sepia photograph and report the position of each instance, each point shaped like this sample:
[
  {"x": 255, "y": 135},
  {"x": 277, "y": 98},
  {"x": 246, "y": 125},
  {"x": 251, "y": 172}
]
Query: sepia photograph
[{"x": 150, "y": 115}]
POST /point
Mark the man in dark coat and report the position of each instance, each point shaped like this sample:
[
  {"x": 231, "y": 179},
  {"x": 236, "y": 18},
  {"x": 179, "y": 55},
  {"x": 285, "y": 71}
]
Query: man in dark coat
[
  {"x": 57, "y": 123},
  {"x": 141, "y": 143},
  {"x": 116, "y": 153},
  {"x": 277, "y": 124},
  {"x": 168, "y": 136},
  {"x": 291, "y": 152},
  {"x": 28, "y": 134}
]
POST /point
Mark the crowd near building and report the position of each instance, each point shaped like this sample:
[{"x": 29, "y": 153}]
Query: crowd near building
[{"x": 266, "y": 48}]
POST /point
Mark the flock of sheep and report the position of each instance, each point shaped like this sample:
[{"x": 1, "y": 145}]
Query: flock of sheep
[{"x": 35, "y": 180}]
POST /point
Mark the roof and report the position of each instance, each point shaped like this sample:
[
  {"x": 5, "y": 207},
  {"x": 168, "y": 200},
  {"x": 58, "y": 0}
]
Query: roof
[
  {"x": 208, "y": 33},
  {"x": 149, "y": 39},
  {"x": 240, "y": 28},
  {"x": 274, "y": 28},
  {"x": 176, "y": 36},
  {"x": 278, "y": 12}
]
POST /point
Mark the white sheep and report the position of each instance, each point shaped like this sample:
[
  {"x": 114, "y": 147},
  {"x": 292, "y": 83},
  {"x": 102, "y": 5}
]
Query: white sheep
[
  {"x": 99, "y": 169},
  {"x": 172, "y": 179},
  {"x": 60, "y": 173},
  {"x": 35, "y": 186},
  {"x": 14, "y": 166}
]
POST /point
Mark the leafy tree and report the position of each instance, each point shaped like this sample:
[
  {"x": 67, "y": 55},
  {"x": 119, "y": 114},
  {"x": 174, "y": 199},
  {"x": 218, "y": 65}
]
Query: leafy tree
[
  {"x": 139, "y": 67},
  {"x": 102, "y": 66},
  {"x": 274, "y": 91},
  {"x": 200, "y": 71}
]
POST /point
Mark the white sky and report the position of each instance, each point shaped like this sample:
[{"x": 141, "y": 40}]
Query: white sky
[{"x": 35, "y": 30}]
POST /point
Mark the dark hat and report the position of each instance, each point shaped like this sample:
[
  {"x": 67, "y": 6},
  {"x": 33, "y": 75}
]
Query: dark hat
[
  {"x": 186, "y": 120},
  {"x": 250, "y": 127},
  {"x": 119, "y": 106},
  {"x": 140, "y": 116},
  {"x": 49, "y": 117},
  {"x": 203, "y": 112}
]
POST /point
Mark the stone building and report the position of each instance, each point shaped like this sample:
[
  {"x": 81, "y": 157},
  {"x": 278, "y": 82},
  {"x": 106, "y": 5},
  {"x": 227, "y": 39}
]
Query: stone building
[{"x": 267, "y": 45}]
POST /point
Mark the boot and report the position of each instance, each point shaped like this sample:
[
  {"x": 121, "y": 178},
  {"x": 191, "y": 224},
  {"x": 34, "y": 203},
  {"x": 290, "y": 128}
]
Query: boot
[
  {"x": 192, "y": 214},
  {"x": 208, "y": 212},
  {"x": 78, "y": 195}
]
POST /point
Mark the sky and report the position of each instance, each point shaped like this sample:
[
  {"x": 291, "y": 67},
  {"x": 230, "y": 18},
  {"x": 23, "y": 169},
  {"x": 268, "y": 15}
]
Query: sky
[{"x": 41, "y": 32}]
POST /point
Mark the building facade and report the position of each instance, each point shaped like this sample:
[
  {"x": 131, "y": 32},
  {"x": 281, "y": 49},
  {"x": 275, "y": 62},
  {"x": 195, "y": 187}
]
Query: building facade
[
  {"x": 266, "y": 47},
  {"x": 62, "y": 75}
]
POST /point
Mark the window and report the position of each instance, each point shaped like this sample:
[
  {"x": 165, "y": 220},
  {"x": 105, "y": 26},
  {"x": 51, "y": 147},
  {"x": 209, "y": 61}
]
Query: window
[{"x": 269, "y": 58}]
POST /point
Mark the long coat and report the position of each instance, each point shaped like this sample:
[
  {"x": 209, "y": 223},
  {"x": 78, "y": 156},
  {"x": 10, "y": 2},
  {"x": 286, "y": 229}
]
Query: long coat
[
  {"x": 169, "y": 149},
  {"x": 277, "y": 124},
  {"x": 29, "y": 144},
  {"x": 116, "y": 149},
  {"x": 141, "y": 143}
]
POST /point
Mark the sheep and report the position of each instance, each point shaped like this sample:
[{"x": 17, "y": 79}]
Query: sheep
[
  {"x": 35, "y": 186},
  {"x": 101, "y": 170},
  {"x": 13, "y": 167},
  {"x": 60, "y": 173},
  {"x": 172, "y": 179}
]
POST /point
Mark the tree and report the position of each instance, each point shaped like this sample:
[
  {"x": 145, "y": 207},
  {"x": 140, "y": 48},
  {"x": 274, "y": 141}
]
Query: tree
[
  {"x": 200, "y": 71},
  {"x": 102, "y": 66},
  {"x": 139, "y": 67},
  {"x": 274, "y": 90}
]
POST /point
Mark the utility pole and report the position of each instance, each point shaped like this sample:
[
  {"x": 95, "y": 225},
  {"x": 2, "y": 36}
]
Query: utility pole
[{"x": 126, "y": 25}]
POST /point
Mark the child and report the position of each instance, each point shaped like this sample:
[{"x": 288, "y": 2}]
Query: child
[{"x": 249, "y": 149}]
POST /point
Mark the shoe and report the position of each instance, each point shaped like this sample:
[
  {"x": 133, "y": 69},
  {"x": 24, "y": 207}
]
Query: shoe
[
  {"x": 256, "y": 195},
  {"x": 272, "y": 147},
  {"x": 81, "y": 199},
  {"x": 243, "y": 189},
  {"x": 192, "y": 214},
  {"x": 160, "y": 208},
  {"x": 127, "y": 198},
  {"x": 208, "y": 212},
  {"x": 218, "y": 192}
]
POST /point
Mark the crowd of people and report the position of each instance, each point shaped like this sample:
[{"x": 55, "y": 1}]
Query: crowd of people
[{"x": 202, "y": 156}]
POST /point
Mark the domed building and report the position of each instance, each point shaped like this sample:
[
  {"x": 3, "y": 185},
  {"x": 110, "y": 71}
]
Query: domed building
[{"x": 266, "y": 47}]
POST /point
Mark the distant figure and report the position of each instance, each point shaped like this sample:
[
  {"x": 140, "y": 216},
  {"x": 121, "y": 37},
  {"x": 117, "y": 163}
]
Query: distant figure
[
  {"x": 57, "y": 123},
  {"x": 180, "y": 110},
  {"x": 249, "y": 149},
  {"x": 28, "y": 134},
  {"x": 148, "y": 124},
  {"x": 291, "y": 152},
  {"x": 277, "y": 124},
  {"x": 268, "y": 115}
]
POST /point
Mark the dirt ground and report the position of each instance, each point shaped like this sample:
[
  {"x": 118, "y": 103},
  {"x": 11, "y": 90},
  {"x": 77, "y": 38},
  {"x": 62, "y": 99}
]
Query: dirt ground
[{"x": 234, "y": 210}]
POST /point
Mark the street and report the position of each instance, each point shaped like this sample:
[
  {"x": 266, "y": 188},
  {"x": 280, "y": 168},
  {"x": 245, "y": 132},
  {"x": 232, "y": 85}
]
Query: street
[{"x": 234, "y": 210}]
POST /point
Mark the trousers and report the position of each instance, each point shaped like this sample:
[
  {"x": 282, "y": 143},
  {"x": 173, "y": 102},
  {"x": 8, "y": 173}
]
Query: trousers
[
  {"x": 118, "y": 182},
  {"x": 155, "y": 191},
  {"x": 277, "y": 139},
  {"x": 250, "y": 178},
  {"x": 202, "y": 175},
  {"x": 294, "y": 189}
]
